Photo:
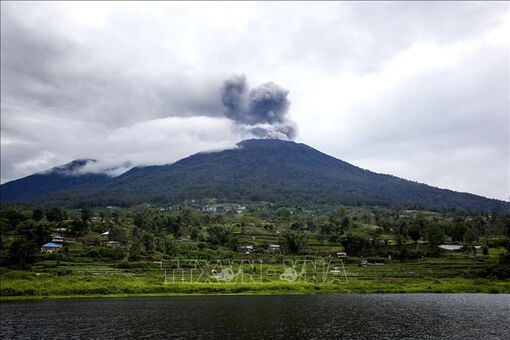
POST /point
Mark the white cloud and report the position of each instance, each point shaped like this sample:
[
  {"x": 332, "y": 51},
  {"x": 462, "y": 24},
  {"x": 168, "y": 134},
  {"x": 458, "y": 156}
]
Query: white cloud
[{"x": 419, "y": 90}]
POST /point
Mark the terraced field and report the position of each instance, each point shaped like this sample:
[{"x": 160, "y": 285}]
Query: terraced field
[{"x": 250, "y": 275}]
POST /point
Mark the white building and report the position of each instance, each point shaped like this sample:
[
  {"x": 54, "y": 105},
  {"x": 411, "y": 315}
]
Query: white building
[{"x": 274, "y": 247}]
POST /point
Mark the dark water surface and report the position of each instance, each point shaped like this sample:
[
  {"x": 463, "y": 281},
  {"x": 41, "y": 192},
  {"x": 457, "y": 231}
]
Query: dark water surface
[{"x": 424, "y": 316}]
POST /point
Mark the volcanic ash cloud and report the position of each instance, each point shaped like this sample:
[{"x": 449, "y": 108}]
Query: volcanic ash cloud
[{"x": 261, "y": 110}]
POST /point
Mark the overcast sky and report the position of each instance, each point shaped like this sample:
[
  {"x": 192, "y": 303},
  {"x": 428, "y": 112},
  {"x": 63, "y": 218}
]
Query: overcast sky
[{"x": 417, "y": 90}]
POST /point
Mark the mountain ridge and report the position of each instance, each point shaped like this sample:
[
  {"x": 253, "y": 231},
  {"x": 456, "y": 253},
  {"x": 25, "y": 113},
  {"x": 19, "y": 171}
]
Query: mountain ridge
[
  {"x": 268, "y": 170},
  {"x": 38, "y": 185}
]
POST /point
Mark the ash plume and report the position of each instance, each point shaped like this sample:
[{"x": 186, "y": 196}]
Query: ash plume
[{"x": 261, "y": 110}]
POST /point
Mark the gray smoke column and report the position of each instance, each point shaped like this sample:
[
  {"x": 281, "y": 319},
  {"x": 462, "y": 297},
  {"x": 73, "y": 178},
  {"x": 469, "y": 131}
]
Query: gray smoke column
[{"x": 262, "y": 110}]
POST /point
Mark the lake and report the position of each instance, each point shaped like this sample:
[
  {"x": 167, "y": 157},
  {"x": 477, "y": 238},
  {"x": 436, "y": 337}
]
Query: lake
[{"x": 381, "y": 316}]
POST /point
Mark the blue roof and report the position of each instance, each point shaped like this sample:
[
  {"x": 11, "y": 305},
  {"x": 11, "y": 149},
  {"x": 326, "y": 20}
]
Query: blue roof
[{"x": 52, "y": 245}]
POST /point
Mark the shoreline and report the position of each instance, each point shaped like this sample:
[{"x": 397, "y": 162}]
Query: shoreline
[
  {"x": 190, "y": 290},
  {"x": 13, "y": 299}
]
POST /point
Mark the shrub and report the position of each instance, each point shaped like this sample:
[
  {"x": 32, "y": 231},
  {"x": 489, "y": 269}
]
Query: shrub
[
  {"x": 499, "y": 242},
  {"x": 500, "y": 271},
  {"x": 63, "y": 272},
  {"x": 99, "y": 252},
  {"x": 296, "y": 241},
  {"x": 131, "y": 265}
]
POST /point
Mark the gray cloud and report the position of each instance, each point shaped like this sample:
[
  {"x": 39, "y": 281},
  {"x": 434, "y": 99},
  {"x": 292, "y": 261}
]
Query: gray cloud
[
  {"x": 233, "y": 96},
  {"x": 265, "y": 106},
  {"x": 362, "y": 36},
  {"x": 418, "y": 90},
  {"x": 45, "y": 67}
]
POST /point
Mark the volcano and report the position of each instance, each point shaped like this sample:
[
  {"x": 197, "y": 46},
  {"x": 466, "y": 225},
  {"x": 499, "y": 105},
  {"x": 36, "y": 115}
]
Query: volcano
[{"x": 269, "y": 170}]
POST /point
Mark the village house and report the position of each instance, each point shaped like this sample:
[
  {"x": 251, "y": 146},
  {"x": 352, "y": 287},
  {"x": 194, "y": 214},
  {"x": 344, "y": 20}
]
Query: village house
[
  {"x": 113, "y": 244},
  {"x": 450, "y": 247},
  {"x": 275, "y": 248},
  {"x": 51, "y": 247},
  {"x": 57, "y": 239},
  {"x": 246, "y": 249}
]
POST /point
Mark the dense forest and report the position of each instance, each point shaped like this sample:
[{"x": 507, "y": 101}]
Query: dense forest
[{"x": 276, "y": 171}]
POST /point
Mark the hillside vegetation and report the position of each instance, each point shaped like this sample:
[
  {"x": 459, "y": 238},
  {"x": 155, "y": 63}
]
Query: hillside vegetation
[
  {"x": 276, "y": 171},
  {"x": 147, "y": 250}
]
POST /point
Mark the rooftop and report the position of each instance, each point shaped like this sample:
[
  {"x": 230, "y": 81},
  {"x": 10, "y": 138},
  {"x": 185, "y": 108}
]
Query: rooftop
[{"x": 52, "y": 245}]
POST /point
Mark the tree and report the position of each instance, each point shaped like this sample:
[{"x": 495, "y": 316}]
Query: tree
[
  {"x": 284, "y": 214},
  {"x": 135, "y": 251},
  {"x": 85, "y": 214},
  {"x": 479, "y": 225},
  {"x": 400, "y": 232},
  {"x": 435, "y": 236},
  {"x": 367, "y": 218},
  {"x": 354, "y": 243},
  {"x": 119, "y": 234},
  {"x": 22, "y": 252},
  {"x": 115, "y": 216},
  {"x": 194, "y": 233},
  {"x": 189, "y": 217},
  {"x": 37, "y": 215},
  {"x": 29, "y": 235},
  {"x": 327, "y": 229},
  {"x": 148, "y": 242},
  {"x": 172, "y": 224},
  {"x": 217, "y": 218},
  {"x": 13, "y": 216},
  {"x": 337, "y": 216},
  {"x": 55, "y": 215},
  {"x": 345, "y": 222},
  {"x": 310, "y": 225},
  {"x": 332, "y": 232},
  {"x": 297, "y": 226},
  {"x": 102, "y": 216},
  {"x": 222, "y": 236},
  {"x": 78, "y": 226},
  {"x": 170, "y": 246},
  {"x": 470, "y": 235},
  {"x": 458, "y": 231},
  {"x": 414, "y": 233},
  {"x": 296, "y": 241},
  {"x": 33, "y": 231}
]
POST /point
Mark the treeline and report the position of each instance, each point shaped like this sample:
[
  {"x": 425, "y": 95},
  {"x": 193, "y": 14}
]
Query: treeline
[{"x": 153, "y": 233}]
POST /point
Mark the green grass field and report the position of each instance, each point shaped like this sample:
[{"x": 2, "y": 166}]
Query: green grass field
[{"x": 448, "y": 274}]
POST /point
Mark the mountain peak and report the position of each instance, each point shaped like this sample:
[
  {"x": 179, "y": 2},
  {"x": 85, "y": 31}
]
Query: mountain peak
[
  {"x": 72, "y": 167},
  {"x": 264, "y": 142},
  {"x": 273, "y": 143},
  {"x": 271, "y": 170},
  {"x": 63, "y": 177}
]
